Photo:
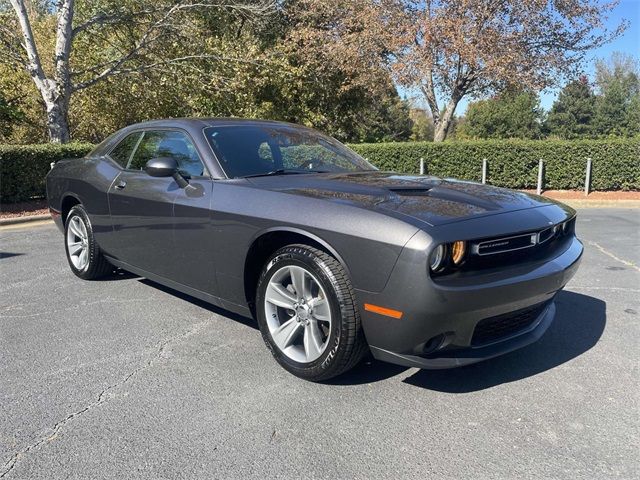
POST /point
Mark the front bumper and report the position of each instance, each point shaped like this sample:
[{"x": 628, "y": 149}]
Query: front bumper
[
  {"x": 447, "y": 311},
  {"x": 466, "y": 356}
]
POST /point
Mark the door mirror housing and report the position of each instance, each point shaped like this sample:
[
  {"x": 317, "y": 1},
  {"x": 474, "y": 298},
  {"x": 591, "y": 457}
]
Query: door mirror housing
[
  {"x": 161, "y": 167},
  {"x": 166, "y": 167}
]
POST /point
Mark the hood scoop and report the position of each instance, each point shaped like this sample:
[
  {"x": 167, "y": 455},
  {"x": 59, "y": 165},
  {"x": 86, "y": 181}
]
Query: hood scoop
[
  {"x": 444, "y": 193},
  {"x": 411, "y": 191},
  {"x": 459, "y": 196}
]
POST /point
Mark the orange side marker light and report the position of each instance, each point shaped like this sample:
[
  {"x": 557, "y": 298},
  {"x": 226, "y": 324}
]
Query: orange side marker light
[{"x": 387, "y": 312}]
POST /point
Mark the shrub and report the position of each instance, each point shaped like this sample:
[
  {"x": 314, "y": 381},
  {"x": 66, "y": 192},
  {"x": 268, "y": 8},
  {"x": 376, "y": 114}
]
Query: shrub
[
  {"x": 23, "y": 167},
  {"x": 514, "y": 163}
]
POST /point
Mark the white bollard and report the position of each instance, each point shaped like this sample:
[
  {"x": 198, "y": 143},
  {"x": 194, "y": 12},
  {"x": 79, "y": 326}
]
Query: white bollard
[
  {"x": 587, "y": 179},
  {"x": 540, "y": 170},
  {"x": 484, "y": 170},
  {"x": 421, "y": 166}
]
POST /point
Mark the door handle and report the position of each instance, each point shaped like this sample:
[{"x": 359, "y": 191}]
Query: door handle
[{"x": 121, "y": 184}]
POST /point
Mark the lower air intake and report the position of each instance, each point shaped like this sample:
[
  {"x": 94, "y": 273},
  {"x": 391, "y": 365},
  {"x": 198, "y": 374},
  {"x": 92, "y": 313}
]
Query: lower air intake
[{"x": 496, "y": 328}]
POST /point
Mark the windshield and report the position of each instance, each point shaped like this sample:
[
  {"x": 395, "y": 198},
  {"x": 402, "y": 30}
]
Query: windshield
[{"x": 254, "y": 150}]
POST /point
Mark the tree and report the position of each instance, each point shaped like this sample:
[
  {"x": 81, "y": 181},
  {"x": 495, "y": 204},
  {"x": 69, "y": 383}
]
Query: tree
[
  {"x": 453, "y": 48},
  {"x": 572, "y": 113},
  {"x": 422, "y": 129},
  {"x": 130, "y": 31},
  {"x": 246, "y": 66},
  {"x": 617, "y": 105},
  {"x": 511, "y": 114},
  {"x": 320, "y": 80},
  {"x": 450, "y": 49},
  {"x": 9, "y": 115}
]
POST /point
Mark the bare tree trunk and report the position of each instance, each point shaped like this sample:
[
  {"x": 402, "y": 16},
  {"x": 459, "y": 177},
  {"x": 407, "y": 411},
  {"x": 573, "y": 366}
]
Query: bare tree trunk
[
  {"x": 444, "y": 121},
  {"x": 441, "y": 131},
  {"x": 55, "y": 91},
  {"x": 57, "y": 121},
  {"x": 58, "y": 108}
]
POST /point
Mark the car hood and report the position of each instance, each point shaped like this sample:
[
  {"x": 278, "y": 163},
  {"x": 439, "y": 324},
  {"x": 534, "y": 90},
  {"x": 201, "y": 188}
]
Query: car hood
[{"x": 427, "y": 199}]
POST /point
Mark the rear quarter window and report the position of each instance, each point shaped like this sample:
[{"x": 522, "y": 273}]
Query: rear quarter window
[{"x": 123, "y": 150}]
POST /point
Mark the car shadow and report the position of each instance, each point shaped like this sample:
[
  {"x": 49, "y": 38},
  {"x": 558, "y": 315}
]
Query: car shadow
[
  {"x": 368, "y": 370},
  {"x": 9, "y": 254},
  {"x": 579, "y": 323},
  {"x": 119, "y": 274},
  {"x": 247, "y": 321}
]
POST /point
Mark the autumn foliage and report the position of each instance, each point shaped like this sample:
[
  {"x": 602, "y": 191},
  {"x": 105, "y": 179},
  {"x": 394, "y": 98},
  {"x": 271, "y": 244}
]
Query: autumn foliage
[{"x": 448, "y": 49}]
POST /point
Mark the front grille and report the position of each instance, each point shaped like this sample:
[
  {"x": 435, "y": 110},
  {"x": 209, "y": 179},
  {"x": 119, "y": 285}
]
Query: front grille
[
  {"x": 495, "y": 328},
  {"x": 506, "y": 244},
  {"x": 494, "y": 253}
]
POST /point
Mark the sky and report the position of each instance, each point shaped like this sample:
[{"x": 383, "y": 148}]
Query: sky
[{"x": 628, "y": 42}]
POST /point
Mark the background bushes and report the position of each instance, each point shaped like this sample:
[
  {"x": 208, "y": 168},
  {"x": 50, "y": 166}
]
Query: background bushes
[
  {"x": 23, "y": 167},
  {"x": 512, "y": 163}
]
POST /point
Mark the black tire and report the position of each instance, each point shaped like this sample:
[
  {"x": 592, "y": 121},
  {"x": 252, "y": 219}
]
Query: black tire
[
  {"x": 97, "y": 266},
  {"x": 346, "y": 342}
]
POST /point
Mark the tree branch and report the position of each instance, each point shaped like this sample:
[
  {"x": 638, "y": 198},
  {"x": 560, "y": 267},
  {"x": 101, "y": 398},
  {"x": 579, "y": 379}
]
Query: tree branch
[
  {"x": 33, "y": 65},
  {"x": 261, "y": 7},
  {"x": 153, "y": 33}
]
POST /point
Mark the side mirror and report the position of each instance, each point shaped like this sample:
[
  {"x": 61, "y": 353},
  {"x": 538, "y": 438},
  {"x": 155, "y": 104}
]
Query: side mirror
[
  {"x": 161, "y": 167},
  {"x": 166, "y": 167}
]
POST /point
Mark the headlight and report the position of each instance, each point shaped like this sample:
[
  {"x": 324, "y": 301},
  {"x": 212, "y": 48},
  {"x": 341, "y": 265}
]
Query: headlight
[
  {"x": 458, "y": 249},
  {"x": 436, "y": 260}
]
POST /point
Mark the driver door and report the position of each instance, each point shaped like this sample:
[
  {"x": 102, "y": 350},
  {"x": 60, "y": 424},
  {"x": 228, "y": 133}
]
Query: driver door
[{"x": 142, "y": 209}]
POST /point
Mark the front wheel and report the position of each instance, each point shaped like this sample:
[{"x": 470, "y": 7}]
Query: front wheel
[
  {"x": 83, "y": 253},
  {"x": 307, "y": 313}
]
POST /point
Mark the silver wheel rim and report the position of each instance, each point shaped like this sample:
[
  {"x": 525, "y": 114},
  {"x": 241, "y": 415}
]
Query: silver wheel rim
[
  {"x": 298, "y": 314},
  {"x": 77, "y": 243}
]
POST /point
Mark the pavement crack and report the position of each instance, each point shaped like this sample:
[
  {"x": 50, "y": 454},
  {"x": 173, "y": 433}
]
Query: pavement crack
[
  {"x": 159, "y": 349},
  {"x": 607, "y": 252}
]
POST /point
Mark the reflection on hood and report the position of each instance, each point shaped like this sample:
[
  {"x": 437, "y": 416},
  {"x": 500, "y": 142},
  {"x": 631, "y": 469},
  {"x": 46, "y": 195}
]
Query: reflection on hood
[{"x": 429, "y": 199}]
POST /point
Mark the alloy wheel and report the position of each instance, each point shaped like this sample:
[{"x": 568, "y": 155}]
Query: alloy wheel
[
  {"x": 298, "y": 313},
  {"x": 78, "y": 243}
]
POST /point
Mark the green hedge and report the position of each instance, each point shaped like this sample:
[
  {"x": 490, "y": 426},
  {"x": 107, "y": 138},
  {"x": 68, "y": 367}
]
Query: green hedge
[
  {"x": 514, "y": 163},
  {"x": 23, "y": 168}
]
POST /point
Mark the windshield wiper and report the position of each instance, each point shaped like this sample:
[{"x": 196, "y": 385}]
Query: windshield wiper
[{"x": 281, "y": 171}]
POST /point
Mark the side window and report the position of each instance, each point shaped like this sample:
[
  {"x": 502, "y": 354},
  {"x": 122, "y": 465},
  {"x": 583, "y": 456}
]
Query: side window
[
  {"x": 168, "y": 144},
  {"x": 122, "y": 152}
]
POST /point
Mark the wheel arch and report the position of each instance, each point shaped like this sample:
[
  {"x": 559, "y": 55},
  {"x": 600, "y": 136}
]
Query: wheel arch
[
  {"x": 69, "y": 200},
  {"x": 266, "y": 242}
]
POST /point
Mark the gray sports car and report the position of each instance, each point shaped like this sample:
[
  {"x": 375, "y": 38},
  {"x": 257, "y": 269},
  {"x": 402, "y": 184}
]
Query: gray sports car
[{"x": 331, "y": 256}]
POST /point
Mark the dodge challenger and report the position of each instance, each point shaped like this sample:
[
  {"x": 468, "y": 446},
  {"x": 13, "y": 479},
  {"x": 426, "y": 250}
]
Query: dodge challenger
[{"x": 332, "y": 257}]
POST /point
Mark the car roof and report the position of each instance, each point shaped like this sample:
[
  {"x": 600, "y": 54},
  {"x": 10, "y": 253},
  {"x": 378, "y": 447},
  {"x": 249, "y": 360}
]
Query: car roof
[{"x": 195, "y": 122}]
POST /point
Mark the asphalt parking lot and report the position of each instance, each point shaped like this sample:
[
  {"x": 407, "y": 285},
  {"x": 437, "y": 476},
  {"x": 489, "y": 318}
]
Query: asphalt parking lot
[{"x": 123, "y": 378}]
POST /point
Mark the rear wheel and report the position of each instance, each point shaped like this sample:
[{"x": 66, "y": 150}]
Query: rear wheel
[
  {"x": 307, "y": 313},
  {"x": 83, "y": 253}
]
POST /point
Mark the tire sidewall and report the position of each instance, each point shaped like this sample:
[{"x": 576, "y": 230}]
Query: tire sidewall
[
  {"x": 80, "y": 212},
  {"x": 322, "y": 273}
]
